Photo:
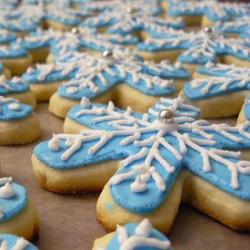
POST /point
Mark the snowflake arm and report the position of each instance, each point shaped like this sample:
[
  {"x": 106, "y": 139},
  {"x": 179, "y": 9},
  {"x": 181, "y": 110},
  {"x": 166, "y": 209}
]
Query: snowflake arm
[{"x": 220, "y": 167}]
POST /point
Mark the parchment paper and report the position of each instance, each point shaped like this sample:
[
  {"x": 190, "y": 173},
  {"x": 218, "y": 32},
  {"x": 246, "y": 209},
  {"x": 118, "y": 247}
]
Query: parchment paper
[{"x": 68, "y": 222}]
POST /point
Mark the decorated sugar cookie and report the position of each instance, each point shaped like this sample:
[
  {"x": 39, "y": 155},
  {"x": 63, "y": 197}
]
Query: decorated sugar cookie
[
  {"x": 9, "y": 242},
  {"x": 123, "y": 81},
  {"x": 133, "y": 236},
  {"x": 17, "y": 89},
  {"x": 160, "y": 158},
  {"x": 218, "y": 90},
  {"x": 207, "y": 12},
  {"x": 192, "y": 49},
  {"x": 18, "y": 124},
  {"x": 15, "y": 58},
  {"x": 18, "y": 215}
]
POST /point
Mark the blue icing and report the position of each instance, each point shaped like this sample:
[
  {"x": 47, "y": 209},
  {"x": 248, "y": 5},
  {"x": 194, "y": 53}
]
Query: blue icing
[
  {"x": 220, "y": 176},
  {"x": 247, "y": 109},
  {"x": 86, "y": 44},
  {"x": 6, "y": 114},
  {"x": 114, "y": 243},
  {"x": 130, "y": 40},
  {"x": 246, "y": 34},
  {"x": 175, "y": 73},
  {"x": 174, "y": 10},
  {"x": 154, "y": 47},
  {"x": 13, "y": 206},
  {"x": 213, "y": 16},
  {"x": 58, "y": 46},
  {"x": 234, "y": 79},
  {"x": 104, "y": 43},
  {"x": 13, "y": 87},
  {"x": 140, "y": 85},
  {"x": 242, "y": 53},
  {"x": 199, "y": 49},
  {"x": 53, "y": 158},
  {"x": 33, "y": 76},
  {"x": 86, "y": 120},
  {"x": 20, "y": 25},
  {"x": 152, "y": 198},
  {"x": 38, "y": 39},
  {"x": 212, "y": 71},
  {"x": 12, "y": 239},
  {"x": 100, "y": 22},
  {"x": 1, "y": 68},
  {"x": 212, "y": 10},
  {"x": 84, "y": 91},
  {"x": 237, "y": 26},
  {"x": 215, "y": 90},
  {"x": 13, "y": 51},
  {"x": 66, "y": 18},
  {"x": 202, "y": 59}
]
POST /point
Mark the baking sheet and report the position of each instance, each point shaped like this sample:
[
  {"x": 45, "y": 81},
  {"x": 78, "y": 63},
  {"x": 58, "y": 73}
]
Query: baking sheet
[{"x": 68, "y": 222}]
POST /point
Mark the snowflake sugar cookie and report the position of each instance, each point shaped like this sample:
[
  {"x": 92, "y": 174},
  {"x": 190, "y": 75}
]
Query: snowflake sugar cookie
[
  {"x": 161, "y": 156},
  {"x": 124, "y": 81}
]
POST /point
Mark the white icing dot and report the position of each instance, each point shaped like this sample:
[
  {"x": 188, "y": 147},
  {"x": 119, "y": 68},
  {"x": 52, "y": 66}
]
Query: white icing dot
[
  {"x": 85, "y": 102},
  {"x": 14, "y": 106},
  {"x": 7, "y": 191},
  {"x": 71, "y": 90}
]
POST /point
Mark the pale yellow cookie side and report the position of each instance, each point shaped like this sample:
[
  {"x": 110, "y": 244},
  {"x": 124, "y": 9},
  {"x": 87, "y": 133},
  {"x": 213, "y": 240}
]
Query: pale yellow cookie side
[
  {"x": 43, "y": 91},
  {"x": 20, "y": 132},
  {"x": 17, "y": 66},
  {"x": 88, "y": 178}
]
